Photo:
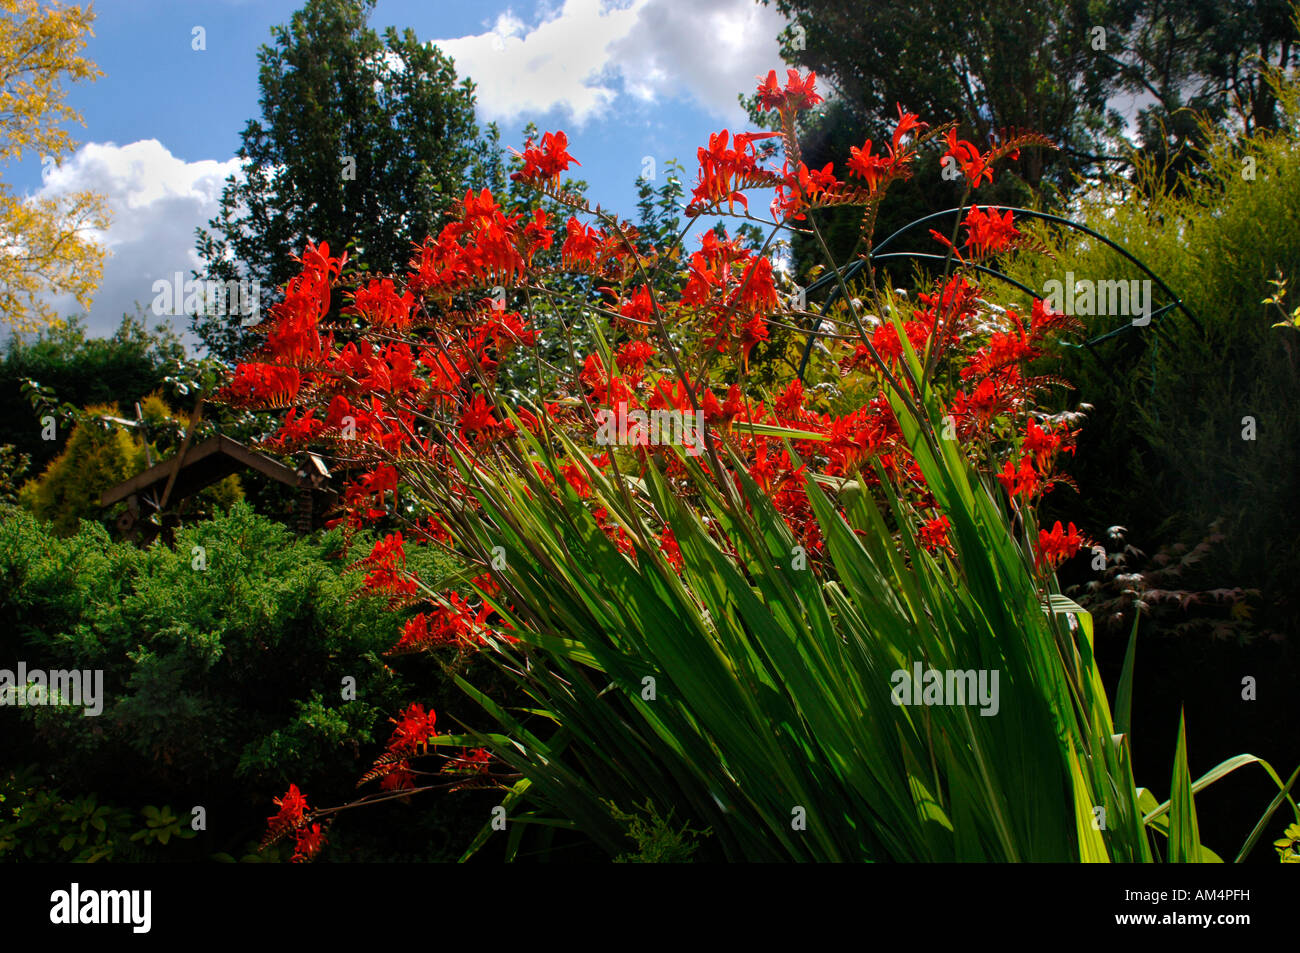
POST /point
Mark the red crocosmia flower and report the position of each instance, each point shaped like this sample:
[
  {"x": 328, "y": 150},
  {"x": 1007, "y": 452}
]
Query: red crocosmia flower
[
  {"x": 317, "y": 261},
  {"x": 386, "y": 563},
  {"x": 415, "y": 635},
  {"x": 988, "y": 232},
  {"x": 606, "y": 389},
  {"x": 508, "y": 329},
  {"x": 537, "y": 235},
  {"x": 414, "y": 728},
  {"x": 733, "y": 404},
  {"x": 1043, "y": 319},
  {"x": 614, "y": 532},
  {"x": 1058, "y": 545},
  {"x": 934, "y": 533},
  {"x": 789, "y": 406},
  {"x": 581, "y": 244},
  {"x": 972, "y": 164},
  {"x": 1022, "y": 480},
  {"x": 544, "y": 165},
  {"x": 670, "y": 395},
  {"x": 720, "y": 167},
  {"x": 369, "y": 489},
  {"x": 529, "y": 420},
  {"x": 576, "y": 477},
  {"x": 297, "y": 429},
  {"x": 672, "y": 552},
  {"x": 757, "y": 291},
  {"x": 871, "y": 169},
  {"x": 452, "y": 624},
  {"x": 1040, "y": 442},
  {"x": 293, "y": 811},
  {"x": 810, "y": 183},
  {"x": 266, "y": 385},
  {"x": 886, "y": 342},
  {"x": 435, "y": 531},
  {"x": 726, "y": 412},
  {"x": 906, "y": 123},
  {"x": 485, "y": 582},
  {"x": 633, "y": 355},
  {"x": 1003, "y": 350},
  {"x": 477, "y": 418},
  {"x": 985, "y": 402},
  {"x": 469, "y": 761},
  {"x": 755, "y": 330},
  {"x": 799, "y": 92},
  {"x": 444, "y": 373},
  {"x": 765, "y": 468},
  {"x": 380, "y": 304},
  {"x": 310, "y": 841},
  {"x": 639, "y": 307},
  {"x": 399, "y": 778}
]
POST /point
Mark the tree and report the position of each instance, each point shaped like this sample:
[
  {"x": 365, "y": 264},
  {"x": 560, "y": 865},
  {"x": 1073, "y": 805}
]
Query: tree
[
  {"x": 999, "y": 63},
  {"x": 1201, "y": 58},
  {"x": 44, "y": 245},
  {"x": 1055, "y": 67},
  {"x": 944, "y": 60},
  {"x": 98, "y": 455},
  {"x": 80, "y": 370},
  {"x": 361, "y": 141}
]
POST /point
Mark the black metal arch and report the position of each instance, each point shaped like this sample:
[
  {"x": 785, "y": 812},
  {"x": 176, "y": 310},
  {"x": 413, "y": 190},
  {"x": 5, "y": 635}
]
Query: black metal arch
[{"x": 856, "y": 266}]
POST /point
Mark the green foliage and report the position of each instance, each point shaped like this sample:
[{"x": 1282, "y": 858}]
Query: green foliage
[
  {"x": 98, "y": 455},
  {"x": 1288, "y": 846},
  {"x": 657, "y": 840},
  {"x": 1164, "y": 452},
  {"x": 80, "y": 371},
  {"x": 880, "y": 54},
  {"x": 1194, "y": 59},
  {"x": 14, "y": 468},
  {"x": 1052, "y": 72},
  {"x": 161, "y": 825},
  {"x": 771, "y": 718},
  {"x": 232, "y": 674},
  {"x": 39, "y": 824},
  {"x": 333, "y": 91}
]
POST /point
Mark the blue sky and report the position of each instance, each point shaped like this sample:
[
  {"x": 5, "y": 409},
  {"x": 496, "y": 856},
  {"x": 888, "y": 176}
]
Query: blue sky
[{"x": 627, "y": 80}]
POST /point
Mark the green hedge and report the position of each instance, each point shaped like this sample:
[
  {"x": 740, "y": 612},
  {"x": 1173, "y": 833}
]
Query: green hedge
[
  {"x": 222, "y": 683},
  {"x": 1163, "y": 453}
]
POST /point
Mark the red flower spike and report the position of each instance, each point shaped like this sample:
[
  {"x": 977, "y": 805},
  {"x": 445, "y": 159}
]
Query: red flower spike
[
  {"x": 309, "y": 844},
  {"x": 933, "y": 534},
  {"x": 987, "y": 232},
  {"x": 969, "y": 160},
  {"x": 544, "y": 165},
  {"x": 1058, "y": 545},
  {"x": 799, "y": 92}
]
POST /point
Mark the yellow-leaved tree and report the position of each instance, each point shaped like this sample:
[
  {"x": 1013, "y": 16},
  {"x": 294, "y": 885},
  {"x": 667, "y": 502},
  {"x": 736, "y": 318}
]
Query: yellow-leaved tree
[{"x": 45, "y": 246}]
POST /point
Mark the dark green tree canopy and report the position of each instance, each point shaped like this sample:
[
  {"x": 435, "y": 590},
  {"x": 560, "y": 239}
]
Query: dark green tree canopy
[
  {"x": 1059, "y": 67},
  {"x": 362, "y": 140},
  {"x": 994, "y": 64},
  {"x": 1056, "y": 67}
]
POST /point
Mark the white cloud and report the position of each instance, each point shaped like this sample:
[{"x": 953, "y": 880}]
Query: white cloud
[
  {"x": 710, "y": 50},
  {"x": 156, "y": 200},
  {"x": 580, "y": 58}
]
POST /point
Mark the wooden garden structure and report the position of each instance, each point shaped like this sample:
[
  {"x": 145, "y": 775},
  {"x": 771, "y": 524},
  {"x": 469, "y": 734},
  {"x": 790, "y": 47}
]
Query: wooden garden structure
[{"x": 201, "y": 465}]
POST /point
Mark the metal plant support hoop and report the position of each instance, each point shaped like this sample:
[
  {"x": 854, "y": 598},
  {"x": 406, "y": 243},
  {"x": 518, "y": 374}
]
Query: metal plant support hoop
[{"x": 855, "y": 267}]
